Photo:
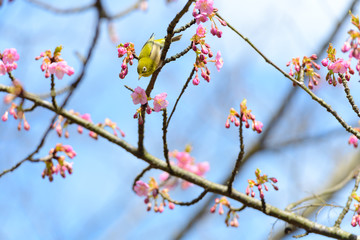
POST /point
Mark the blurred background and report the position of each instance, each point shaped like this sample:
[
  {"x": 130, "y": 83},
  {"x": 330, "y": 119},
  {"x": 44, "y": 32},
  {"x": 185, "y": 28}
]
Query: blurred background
[{"x": 304, "y": 147}]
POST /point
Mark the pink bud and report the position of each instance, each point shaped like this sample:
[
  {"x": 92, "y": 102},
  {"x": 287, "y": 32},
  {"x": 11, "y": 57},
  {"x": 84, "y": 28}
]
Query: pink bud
[
  {"x": 171, "y": 205},
  {"x": 26, "y": 125},
  {"x": 227, "y": 124},
  {"x": 80, "y": 129},
  {"x": 221, "y": 210},
  {"x": 122, "y": 133},
  {"x": 5, "y": 116},
  {"x": 313, "y": 57},
  {"x": 346, "y": 47},
  {"x": 123, "y": 65},
  {"x": 325, "y": 62},
  {"x": 247, "y": 191}
]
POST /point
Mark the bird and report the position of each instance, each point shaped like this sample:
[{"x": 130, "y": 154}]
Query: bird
[{"x": 149, "y": 57}]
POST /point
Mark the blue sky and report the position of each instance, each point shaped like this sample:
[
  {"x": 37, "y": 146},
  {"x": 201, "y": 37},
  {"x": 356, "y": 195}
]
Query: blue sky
[{"x": 96, "y": 201}]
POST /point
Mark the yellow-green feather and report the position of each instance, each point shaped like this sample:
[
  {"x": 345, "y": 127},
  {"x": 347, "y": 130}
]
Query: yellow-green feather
[{"x": 149, "y": 56}]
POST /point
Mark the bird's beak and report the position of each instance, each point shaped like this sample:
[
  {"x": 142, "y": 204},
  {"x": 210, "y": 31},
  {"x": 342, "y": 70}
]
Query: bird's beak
[{"x": 139, "y": 76}]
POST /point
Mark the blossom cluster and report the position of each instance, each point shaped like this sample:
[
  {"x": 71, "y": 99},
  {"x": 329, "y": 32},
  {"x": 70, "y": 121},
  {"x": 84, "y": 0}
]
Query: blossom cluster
[
  {"x": 259, "y": 183},
  {"x": 16, "y": 110},
  {"x": 151, "y": 192},
  {"x": 351, "y": 45},
  {"x": 62, "y": 124},
  {"x": 336, "y": 65},
  {"x": 185, "y": 161},
  {"x": 139, "y": 96},
  {"x": 203, "y": 11},
  {"x": 129, "y": 50},
  {"x": 7, "y": 60},
  {"x": 356, "y": 218},
  {"x": 231, "y": 214},
  {"x": 202, "y": 54},
  {"x": 308, "y": 66},
  {"x": 53, "y": 64},
  {"x": 62, "y": 165},
  {"x": 244, "y": 116}
]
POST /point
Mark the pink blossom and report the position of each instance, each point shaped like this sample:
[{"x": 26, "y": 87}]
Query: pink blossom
[
  {"x": 139, "y": 96},
  {"x": 257, "y": 126},
  {"x": 69, "y": 151},
  {"x": 218, "y": 61},
  {"x": 202, "y": 168},
  {"x": 60, "y": 68},
  {"x": 87, "y": 117},
  {"x": 10, "y": 55},
  {"x": 205, "y": 6},
  {"x": 141, "y": 188},
  {"x": 2, "y": 68},
  {"x": 121, "y": 51},
  {"x": 346, "y": 47},
  {"x": 143, "y": 5},
  {"x": 160, "y": 102},
  {"x": 196, "y": 80},
  {"x": 324, "y": 62},
  {"x": 164, "y": 176},
  {"x": 200, "y": 31},
  {"x": 353, "y": 141},
  {"x": 340, "y": 66},
  {"x": 202, "y": 17},
  {"x": 184, "y": 158}
]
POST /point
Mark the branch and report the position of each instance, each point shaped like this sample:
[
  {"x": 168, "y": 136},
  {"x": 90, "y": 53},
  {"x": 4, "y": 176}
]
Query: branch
[
  {"x": 50, "y": 8},
  {"x": 292, "y": 218}
]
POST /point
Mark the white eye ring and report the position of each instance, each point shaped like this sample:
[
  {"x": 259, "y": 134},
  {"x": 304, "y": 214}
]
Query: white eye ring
[{"x": 144, "y": 69}]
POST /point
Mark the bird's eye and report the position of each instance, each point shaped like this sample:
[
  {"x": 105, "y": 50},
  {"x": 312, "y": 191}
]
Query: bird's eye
[{"x": 144, "y": 69}]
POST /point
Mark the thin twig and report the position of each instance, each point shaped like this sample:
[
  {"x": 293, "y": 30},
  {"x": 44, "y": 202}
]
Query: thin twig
[
  {"x": 181, "y": 93},
  {"x": 349, "y": 96},
  {"x": 52, "y": 92},
  {"x": 57, "y": 93},
  {"x": 195, "y": 200},
  {"x": 178, "y": 55},
  {"x": 239, "y": 159},
  {"x": 183, "y": 28},
  {"x": 347, "y": 206},
  {"x": 140, "y": 175},
  {"x": 300, "y": 84},
  {"x": 134, "y": 7},
  {"x": 51, "y": 8},
  {"x": 165, "y": 146},
  {"x": 331, "y": 190}
]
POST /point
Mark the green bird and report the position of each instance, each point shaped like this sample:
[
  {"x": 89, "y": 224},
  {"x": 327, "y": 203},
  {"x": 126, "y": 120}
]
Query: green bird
[{"x": 149, "y": 56}]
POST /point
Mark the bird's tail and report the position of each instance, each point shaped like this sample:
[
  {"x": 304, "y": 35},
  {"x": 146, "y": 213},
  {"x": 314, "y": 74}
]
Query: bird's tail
[{"x": 176, "y": 38}]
